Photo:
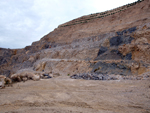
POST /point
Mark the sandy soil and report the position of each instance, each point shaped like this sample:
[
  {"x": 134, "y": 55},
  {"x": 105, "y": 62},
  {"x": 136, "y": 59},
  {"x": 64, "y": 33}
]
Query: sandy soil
[{"x": 65, "y": 95}]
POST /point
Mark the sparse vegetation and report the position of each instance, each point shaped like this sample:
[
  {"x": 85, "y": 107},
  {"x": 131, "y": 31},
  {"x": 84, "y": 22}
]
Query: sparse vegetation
[{"x": 102, "y": 14}]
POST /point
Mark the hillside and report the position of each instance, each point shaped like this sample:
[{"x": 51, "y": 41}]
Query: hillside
[
  {"x": 98, "y": 63},
  {"x": 115, "y": 43}
]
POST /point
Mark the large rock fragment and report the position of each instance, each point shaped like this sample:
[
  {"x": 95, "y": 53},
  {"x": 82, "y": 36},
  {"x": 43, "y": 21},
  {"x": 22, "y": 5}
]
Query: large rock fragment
[
  {"x": 24, "y": 76},
  {"x": 2, "y": 81},
  {"x": 5, "y": 81}
]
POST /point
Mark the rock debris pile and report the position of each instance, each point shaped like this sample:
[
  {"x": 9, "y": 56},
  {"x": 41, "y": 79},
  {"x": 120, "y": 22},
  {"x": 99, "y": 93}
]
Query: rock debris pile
[{"x": 96, "y": 76}]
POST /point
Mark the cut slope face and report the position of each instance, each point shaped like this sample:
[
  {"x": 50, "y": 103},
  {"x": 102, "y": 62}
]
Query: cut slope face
[{"x": 114, "y": 44}]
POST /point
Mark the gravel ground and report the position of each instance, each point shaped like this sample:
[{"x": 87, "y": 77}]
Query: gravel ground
[{"x": 66, "y": 95}]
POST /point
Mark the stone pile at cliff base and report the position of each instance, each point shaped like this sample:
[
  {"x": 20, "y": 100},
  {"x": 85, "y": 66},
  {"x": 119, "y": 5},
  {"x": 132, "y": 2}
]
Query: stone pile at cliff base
[{"x": 96, "y": 76}]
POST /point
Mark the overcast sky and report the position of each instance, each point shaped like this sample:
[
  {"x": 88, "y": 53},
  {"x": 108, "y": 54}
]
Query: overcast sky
[{"x": 25, "y": 21}]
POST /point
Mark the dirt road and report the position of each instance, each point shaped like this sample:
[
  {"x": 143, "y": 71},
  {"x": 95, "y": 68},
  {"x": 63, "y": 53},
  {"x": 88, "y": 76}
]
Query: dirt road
[{"x": 65, "y": 95}]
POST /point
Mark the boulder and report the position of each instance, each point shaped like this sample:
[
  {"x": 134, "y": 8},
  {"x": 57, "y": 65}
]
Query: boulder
[
  {"x": 2, "y": 81},
  {"x": 5, "y": 81},
  {"x": 15, "y": 78},
  {"x": 8, "y": 81},
  {"x": 32, "y": 76},
  {"x": 46, "y": 76},
  {"x": 24, "y": 76}
]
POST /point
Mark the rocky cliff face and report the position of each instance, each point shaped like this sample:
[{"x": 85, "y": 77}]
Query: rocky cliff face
[{"x": 112, "y": 42}]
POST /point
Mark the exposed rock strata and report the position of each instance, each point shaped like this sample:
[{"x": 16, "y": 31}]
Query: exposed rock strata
[{"x": 116, "y": 44}]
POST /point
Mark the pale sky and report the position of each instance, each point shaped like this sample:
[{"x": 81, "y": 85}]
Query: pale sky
[{"x": 25, "y": 21}]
